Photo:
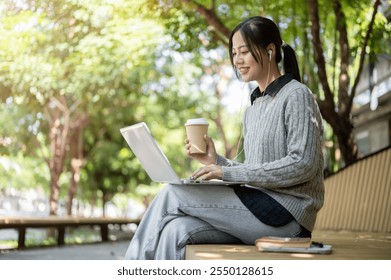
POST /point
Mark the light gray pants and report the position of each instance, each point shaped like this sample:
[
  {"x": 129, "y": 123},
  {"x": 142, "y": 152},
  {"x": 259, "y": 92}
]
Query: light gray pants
[{"x": 181, "y": 215}]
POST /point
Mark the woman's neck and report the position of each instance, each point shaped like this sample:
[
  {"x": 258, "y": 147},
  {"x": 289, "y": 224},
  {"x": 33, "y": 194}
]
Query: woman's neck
[
  {"x": 272, "y": 73},
  {"x": 264, "y": 84}
]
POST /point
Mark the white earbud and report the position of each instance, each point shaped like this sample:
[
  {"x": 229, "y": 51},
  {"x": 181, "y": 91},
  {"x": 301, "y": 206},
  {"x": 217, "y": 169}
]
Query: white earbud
[{"x": 270, "y": 52}]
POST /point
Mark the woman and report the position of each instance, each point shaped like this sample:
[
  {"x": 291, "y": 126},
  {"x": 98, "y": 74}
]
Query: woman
[{"x": 283, "y": 164}]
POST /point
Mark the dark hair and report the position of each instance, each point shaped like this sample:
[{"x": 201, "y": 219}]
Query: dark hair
[{"x": 258, "y": 33}]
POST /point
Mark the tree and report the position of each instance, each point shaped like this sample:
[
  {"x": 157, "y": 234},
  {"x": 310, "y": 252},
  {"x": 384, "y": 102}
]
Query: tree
[
  {"x": 88, "y": 53},
  {"x": 337, "y": 113}
]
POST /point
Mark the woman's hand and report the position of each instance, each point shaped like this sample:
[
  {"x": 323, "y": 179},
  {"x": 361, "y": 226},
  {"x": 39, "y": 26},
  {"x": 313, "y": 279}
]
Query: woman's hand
[
  {"x": 208, "y": 172},
  {"x": 210, "y": 157}
]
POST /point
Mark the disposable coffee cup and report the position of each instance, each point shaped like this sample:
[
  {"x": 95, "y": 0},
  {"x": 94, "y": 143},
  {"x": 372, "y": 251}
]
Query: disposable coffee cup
[{"x": 195, "y": 131}]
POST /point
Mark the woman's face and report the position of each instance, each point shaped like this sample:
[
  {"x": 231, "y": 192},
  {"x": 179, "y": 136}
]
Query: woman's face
[{"x": 244, "y": 61}]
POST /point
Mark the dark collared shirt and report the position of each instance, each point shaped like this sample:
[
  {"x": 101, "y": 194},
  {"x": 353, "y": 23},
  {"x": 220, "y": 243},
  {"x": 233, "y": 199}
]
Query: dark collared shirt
[{"x": 273, "y": 88}]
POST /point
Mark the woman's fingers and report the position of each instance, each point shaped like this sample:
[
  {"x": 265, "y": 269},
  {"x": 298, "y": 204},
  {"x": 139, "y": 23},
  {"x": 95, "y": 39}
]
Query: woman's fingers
[{"x": 208, "y": 172}]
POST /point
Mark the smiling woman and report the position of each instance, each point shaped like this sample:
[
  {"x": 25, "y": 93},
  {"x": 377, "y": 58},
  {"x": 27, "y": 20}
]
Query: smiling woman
[{"x": 282, "y": 170}]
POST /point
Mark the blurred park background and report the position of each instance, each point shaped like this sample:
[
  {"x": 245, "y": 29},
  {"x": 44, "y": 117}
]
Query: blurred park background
[{"x": 73, "y": 72}]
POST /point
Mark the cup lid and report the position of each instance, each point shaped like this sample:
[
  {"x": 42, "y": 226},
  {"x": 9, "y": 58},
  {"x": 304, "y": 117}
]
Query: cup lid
[{"x": 201, "y": 121}]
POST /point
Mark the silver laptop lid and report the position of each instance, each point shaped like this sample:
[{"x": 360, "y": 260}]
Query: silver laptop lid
[{"x": 148, "y": 152}]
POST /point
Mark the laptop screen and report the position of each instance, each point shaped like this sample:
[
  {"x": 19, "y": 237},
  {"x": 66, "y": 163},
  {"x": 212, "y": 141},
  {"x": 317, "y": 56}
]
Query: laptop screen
[{"x": 148, "y": 152}]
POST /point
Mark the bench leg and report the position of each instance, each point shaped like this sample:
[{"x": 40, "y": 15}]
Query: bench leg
[
  {"x": 61, "y": 236},
  {"x": 104, "y": 232},
  {"x": 21, "y": 238}
]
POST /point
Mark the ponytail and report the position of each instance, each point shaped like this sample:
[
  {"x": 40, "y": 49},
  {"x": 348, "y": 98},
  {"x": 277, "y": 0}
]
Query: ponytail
[{"x": 290, "y": 62}]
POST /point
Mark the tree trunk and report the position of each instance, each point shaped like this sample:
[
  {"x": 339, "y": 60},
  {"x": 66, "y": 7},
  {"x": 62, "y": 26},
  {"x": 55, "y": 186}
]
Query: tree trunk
[
  {"x": 54, "y": 193},
  {"x": 346, "y": 141},
  {"x": 76, "y": 158},
  {"x": 58, "y": 118},
  {"x": 76, "y": 162}
]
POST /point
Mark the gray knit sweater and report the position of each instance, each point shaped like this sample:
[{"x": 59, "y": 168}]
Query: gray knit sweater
[{"x": 282, "y": 144}]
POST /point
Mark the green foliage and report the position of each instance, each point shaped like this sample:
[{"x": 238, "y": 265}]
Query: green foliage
[
  {"x": 122, "y": 62},
  {"x": 92, "y": 53},
  {"x": 22, "y": 172}
]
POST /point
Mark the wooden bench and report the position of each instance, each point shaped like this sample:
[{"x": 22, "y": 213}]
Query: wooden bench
[
  {"x": 346, "y": 245},
  {"x": 60, "y": 224}
]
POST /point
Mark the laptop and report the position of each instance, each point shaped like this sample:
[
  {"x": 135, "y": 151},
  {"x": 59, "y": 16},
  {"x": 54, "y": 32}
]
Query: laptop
[{"x": 155, "y": 162}]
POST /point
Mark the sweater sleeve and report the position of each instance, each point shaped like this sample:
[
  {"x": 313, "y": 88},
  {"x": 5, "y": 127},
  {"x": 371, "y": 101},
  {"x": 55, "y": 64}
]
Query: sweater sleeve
[
  {"x": 222, "y": 161},
  {"x": 303, "y": 129}
]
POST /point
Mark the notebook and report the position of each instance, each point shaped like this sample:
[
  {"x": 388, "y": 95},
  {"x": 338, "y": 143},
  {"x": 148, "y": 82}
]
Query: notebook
[
  {"x": 291, "y": 245},
  {"x": 155, "y": 162}
]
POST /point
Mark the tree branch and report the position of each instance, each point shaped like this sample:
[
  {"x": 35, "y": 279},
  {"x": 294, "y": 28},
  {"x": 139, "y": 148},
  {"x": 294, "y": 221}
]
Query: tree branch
[
  {"x": 212, "y": 19},
  {"x": 344, "y": 79},
  {"x": 363, "y": 53},
  {"x": 318, "y": 52}
]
